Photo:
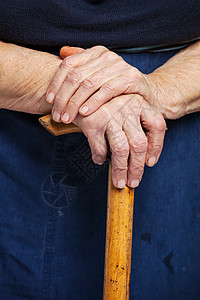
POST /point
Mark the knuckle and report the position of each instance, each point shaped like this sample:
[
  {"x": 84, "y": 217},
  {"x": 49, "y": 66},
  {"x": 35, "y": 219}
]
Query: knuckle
[
  {"x": 98, "y": 154},
  {"x": 119, "y": 169},
  {"x": 137, "y": 171},
  {"x": 67, "y": 62},
  {"x": 159, "y": 124},
  {"x": 96, "y": 100},
  {"x": 74, "y": 77},
  {"x": 88, "y": 50},
  {"x": 55, "y": 83},
  {"x": 108, "y": 89},
  {"x": 120, "y": 150},
  {"x": 139, "y": 145},
  {"x": 72, "y": 104},
  {"x": 108, "y": 55},
  {"x": 88, "y": 83},
  {"x": 110, "y": 128},
  {"x": 155, "y": 146},
  {"x": 99, "y": 47},
  {"x": 59, "y": 101},
  {"x": 102, "y": 152}
]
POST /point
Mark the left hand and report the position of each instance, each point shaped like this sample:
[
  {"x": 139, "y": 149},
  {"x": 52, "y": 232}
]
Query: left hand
[
  {"x": 135, "y": 132},
  {"x": 87, "y": 79}
]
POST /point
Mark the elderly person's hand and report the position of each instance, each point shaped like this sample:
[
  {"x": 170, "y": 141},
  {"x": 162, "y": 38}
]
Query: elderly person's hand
[
  {"x": 135, "y": 132},
  {"x": 86, "y": 79},
  {"x": 96, "y": 75}
]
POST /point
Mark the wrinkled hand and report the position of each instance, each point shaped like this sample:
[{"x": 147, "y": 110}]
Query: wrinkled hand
[
  {"x": 135, "y": 132},
  {"x": 86, "y": 79}
]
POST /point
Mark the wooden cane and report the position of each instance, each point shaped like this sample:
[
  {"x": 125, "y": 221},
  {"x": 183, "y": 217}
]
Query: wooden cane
[{"x": 117, "y": 268}]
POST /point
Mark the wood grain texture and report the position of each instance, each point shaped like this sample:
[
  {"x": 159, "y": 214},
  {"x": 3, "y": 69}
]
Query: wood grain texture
[
  {"x": 57, "y": 128},
  {"x": 119, "y": 227}
]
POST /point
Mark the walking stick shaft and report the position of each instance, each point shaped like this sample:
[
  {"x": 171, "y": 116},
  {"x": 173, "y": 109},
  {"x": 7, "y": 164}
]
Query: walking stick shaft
[{"x": 119, "y": 226}]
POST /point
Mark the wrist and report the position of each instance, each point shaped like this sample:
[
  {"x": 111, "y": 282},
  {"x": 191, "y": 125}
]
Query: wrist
[
  {"x": 165, "y": 95},
  {"x": 26, "y": 76}
]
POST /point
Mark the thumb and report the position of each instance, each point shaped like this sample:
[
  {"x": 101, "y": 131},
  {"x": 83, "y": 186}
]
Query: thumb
[{"x": 67, "y": 51}]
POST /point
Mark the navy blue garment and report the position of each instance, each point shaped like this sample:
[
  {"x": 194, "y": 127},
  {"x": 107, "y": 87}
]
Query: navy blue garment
[
  {"x": 53, "y": 212},
  {"x": 112, "y": 23}
]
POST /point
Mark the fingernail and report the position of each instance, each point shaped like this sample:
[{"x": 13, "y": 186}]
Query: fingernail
[
  {"x": 121, "y": 184},
  {"x": 151, "y": 161},
  {"x": 84, "y": 109},
  {"x": 134, "y": 183},
  {"x": 50, "y": 97},
  {"x": 65, "y": 117},
  {"x": 56, "y": 116}
]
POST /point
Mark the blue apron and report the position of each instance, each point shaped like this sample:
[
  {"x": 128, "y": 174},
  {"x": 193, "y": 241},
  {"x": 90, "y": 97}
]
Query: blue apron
[{"x": 53, "y": 212}]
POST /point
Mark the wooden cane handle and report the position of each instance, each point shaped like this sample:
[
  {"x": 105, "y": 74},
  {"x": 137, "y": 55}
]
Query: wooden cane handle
[
  {"x": 119, "y": 227},
  {"x": 57, "y": 128}
]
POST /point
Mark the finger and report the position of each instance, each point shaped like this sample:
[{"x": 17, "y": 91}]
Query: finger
[
  {"x": 138, "y": 147},
  {"x": 58, "y": 80},
  {"x": 94, "y": 128},
  {"x": 98, "y": 146},
  {"x": 108, "y": 89},
  {"x": 67, "y": 51},
  {"x": 155, "y": 125},
  {"x": 79, "y": 85},
  {"x": 104, "y": 78},
  {"x": 120, "y": 151},
  {"x": 68, "y": 64},
  {"x": 127, "y": 80}
]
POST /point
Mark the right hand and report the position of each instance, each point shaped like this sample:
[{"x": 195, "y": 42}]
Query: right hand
[{"x": 135, "y": 131}]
